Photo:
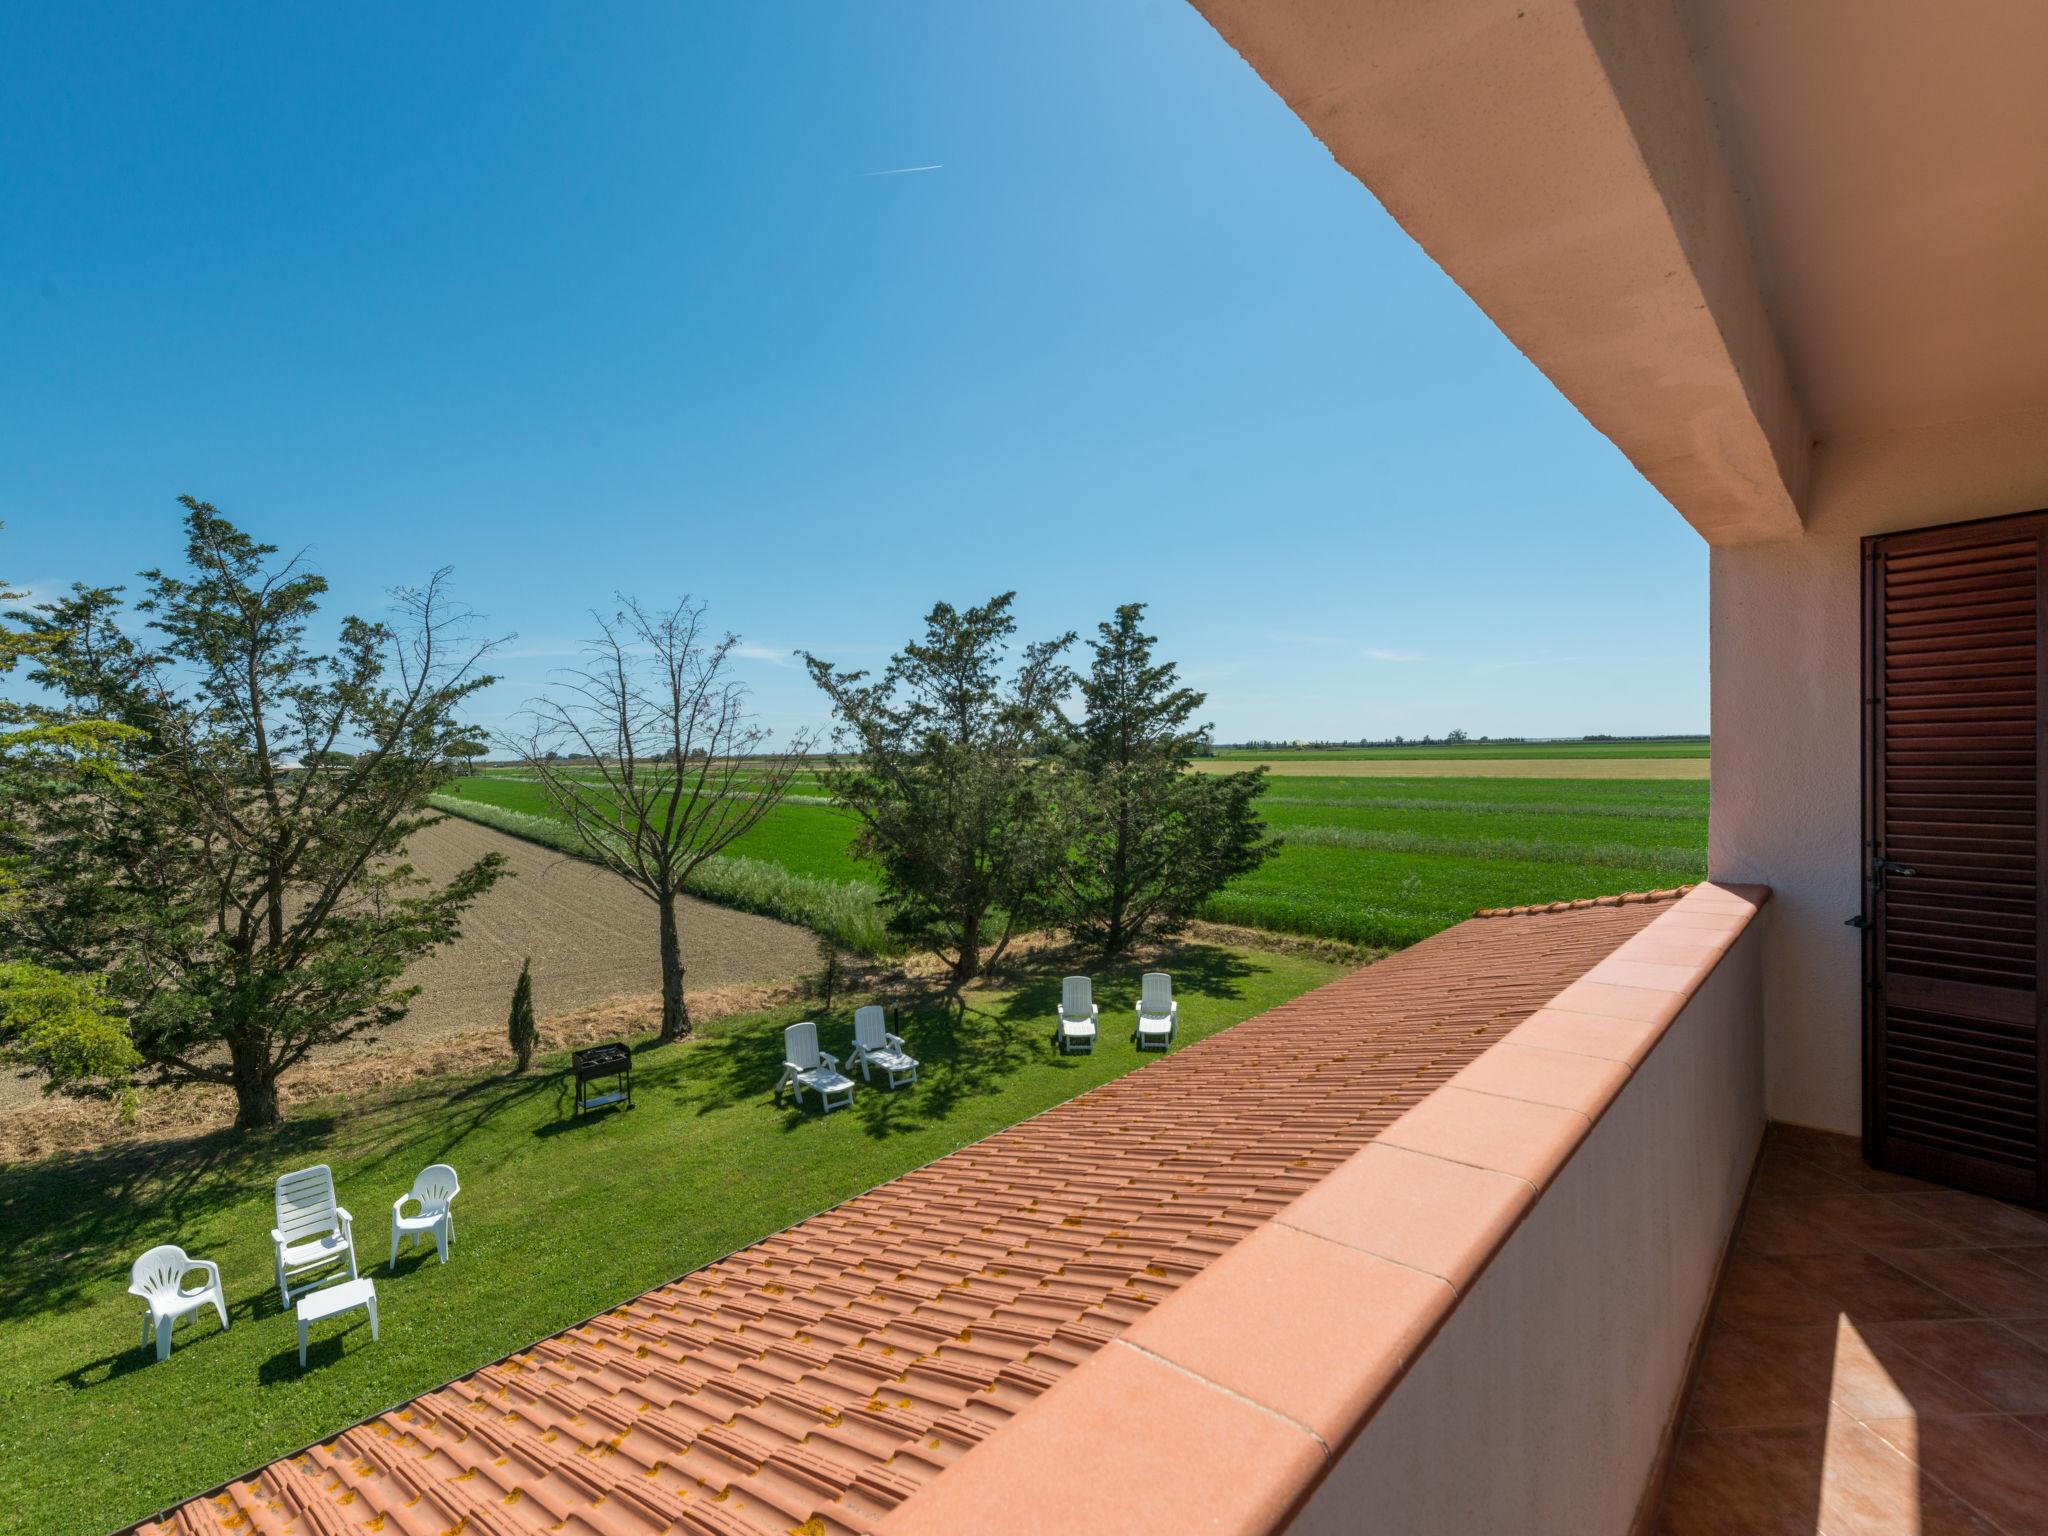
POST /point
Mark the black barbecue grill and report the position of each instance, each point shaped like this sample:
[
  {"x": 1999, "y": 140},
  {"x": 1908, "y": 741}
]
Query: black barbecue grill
[{"x": 596, "y": 1064}]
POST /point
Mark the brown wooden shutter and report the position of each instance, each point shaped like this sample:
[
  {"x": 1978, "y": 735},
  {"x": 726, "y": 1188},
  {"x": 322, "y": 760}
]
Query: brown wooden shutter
[{"x": 1956, "y": 1059}]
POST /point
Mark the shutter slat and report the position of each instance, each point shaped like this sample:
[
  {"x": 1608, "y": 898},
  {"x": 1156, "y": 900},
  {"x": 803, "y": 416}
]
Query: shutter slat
[{"x": 1954, "y": 793}]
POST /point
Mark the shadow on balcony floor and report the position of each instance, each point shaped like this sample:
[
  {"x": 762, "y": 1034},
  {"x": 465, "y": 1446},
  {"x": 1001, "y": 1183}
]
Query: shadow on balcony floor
[{"x": 1877, "y": 1361}]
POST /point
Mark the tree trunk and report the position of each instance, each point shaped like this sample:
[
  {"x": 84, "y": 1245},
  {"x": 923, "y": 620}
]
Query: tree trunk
[
  {"x": 675, "y": 1011},
  {"x": 967, "y": 963},
  {"x": 1116, "y": 936},
  {"x": 255, "y": 1083}
]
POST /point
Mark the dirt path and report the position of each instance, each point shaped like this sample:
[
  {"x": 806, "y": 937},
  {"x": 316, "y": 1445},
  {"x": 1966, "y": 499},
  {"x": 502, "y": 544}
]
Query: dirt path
[{"x": 590, "y": 935}]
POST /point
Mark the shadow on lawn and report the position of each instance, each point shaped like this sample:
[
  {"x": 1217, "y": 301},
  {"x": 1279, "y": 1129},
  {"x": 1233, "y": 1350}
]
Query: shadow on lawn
[
  {"x": 198, "y": 1329},
  {"x": 70, "y": 1225},
  {"x": 1198, "y": 970},
  {"x": 321, "y": 1350},
  {"x": 194, "y": 1331},
  {"x": 431, "y": 1121},
  {"x": 966, "y": 1047},
  {"x": 62, "y": 1220},
  {"x": 960, "y": 1053}
]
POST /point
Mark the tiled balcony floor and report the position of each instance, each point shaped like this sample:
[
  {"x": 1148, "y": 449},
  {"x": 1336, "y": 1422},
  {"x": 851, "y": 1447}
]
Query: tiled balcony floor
[{"x": 1877, "y": 1361}]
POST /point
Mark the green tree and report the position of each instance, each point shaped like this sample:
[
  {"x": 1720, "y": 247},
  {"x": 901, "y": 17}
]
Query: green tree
[
  {"x": 666, "y": 766},
  {"x": 942, "y": 760},
  {"x": 240, "y": 883},
  {"x": 520, "y": 1029},
  {"x": 63, "y": 1027},
  {"x": 59, "y": 1025},
  {"x": 43, "y": 749},
  {"x": 1149, "y": 840}
]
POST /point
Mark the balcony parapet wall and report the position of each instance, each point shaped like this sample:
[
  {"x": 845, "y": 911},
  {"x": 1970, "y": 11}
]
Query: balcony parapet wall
[{"x": 1482, "y": 1321}]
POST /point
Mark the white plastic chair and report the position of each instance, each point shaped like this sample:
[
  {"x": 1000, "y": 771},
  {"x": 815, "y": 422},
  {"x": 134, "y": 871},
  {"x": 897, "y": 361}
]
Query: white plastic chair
[
  {"x": 312, "y": 1231},
  {"x": 1158, "y": 1013},
  {"x": 158, "y": 1277},
  {"x": 874, "y": 1046},
  {"x": 805, "y": 1066},
  {"x": 431, "y": 1192},
  {"x": 1078, "y": 1014}
]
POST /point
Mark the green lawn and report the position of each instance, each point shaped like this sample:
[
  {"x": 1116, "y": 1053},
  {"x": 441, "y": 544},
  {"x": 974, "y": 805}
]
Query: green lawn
[
  {"x": 1377, "y": 861},
  {"x": 557, "y": 1220}
]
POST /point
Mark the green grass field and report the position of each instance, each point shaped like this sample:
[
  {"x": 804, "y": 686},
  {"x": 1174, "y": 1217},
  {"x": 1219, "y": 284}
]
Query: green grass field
[
  {"x": 803, "y": 837},
  {"x": 1475, "y": 751},
  {"x": 794, "y": 865},
  {"x": 557, "y": 1220},
  {"x": 1380, "y": 860},
  {"x": 1390, "y": 861}
]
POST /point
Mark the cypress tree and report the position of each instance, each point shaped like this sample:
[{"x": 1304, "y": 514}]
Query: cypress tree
[
  {"x": 521, "y": 1030},
  {"x": 1149, "y": 839}
]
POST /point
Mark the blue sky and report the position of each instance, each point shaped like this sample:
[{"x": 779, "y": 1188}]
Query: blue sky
[{"x": 608, "y": 297}]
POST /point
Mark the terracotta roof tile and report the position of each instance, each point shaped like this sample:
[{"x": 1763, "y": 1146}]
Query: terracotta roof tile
[
  {"x": 1626, "y": 898},
  {"x": 810, "y": 1383}
]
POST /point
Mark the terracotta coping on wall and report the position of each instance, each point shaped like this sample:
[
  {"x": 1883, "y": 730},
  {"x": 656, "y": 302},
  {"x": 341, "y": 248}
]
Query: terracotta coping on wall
[
  {"x": 1624, "y": 899},
  {"x": 1222, "y": 1409},
  {"x": 817, "y": 1379}
]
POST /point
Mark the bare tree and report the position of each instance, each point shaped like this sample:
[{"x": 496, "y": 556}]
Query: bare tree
[{"x": 674, "y": 767}]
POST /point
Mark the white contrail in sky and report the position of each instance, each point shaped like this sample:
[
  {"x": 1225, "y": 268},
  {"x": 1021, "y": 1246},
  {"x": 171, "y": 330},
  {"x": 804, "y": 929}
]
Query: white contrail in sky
[{"x": 903, "y": 170}]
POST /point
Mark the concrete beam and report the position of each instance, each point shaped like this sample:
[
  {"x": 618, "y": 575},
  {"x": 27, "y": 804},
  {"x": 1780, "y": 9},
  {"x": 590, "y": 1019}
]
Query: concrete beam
[{"x": 1557, "y": 159}]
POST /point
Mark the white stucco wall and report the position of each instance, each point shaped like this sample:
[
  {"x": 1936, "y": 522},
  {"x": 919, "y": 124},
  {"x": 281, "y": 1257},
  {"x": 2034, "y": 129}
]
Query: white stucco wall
[
  {"x": 1785, "y": 805},
  {"x": 1540, "y": 1406},
  {"x": 1787, "y": 701}
]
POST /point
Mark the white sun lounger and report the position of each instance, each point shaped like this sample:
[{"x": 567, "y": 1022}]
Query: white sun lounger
[
  {"x": 1078, "y": 1014},
  {"x": 874, "y": 1046},
  {"x": 1158, "y": 1013},
  {"x": 805, "y": 1066},
  {"x": 312, "y": 1230}
]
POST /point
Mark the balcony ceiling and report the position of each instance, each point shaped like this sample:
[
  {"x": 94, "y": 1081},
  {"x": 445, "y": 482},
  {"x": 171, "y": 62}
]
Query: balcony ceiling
[
  {"x": 1891, "y": 161},
  {"x": 1727, "y": 230}
]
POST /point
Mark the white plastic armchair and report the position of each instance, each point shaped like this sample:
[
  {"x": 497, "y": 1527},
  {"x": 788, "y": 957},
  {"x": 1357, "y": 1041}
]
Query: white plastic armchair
[
  {"x": 158, "y": 1277},
  {"x": 312, "y": 1231},
  {"x": 1078, "y": 1014},
  {"x": 874, "y": 1046},
  {"x": 1158, "y": 1013},
  {"x": 805, "y": 1066},
  {"x": 432, "y": 1192}
]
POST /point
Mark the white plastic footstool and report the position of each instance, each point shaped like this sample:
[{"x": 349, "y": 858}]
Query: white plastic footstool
[{"x": 326, "y": 1302}]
